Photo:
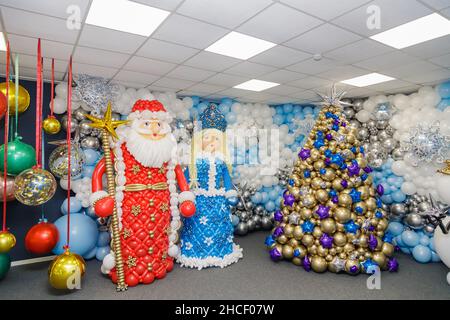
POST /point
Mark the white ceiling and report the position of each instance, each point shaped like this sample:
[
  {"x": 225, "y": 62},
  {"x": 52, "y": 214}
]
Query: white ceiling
[{"x": 172, "y": 58}]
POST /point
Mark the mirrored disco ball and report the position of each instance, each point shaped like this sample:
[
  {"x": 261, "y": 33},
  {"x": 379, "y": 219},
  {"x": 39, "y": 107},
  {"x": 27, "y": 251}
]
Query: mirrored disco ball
[{"x": 59, "y": 165}]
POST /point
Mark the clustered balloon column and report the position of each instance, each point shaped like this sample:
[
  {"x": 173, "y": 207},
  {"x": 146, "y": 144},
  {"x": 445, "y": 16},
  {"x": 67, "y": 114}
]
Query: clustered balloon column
[{"x": 407, "y": 138}]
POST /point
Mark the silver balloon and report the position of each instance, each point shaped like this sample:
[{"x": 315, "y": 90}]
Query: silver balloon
[
  {"x": 373, "y": 139},
  {"x": 429, "y": 229},
  {"x": 397, "y": 154},
  {"x": 240, "y": 205},
  {"x": 85, "y": 128},
  {"x": 90, "y": 143},
  {"x": 246, "y": 194},
  {"x": 362, "y": 134},
  {"x": 389, "y": 130},
  {"x": 355, "y": 124},
  {"x": 383, "y": 111},
  {"x": 259, "y": 209},
  {"x": 397, "y": 211},
  {"x": 414, "y": 221},
  {"x": 79, "y": 114},
  {"x": 251, "y": 225},
  {"x": 371, "y": 124},
  {"x": 358, "y": 104},
  {"x": 73, "y": 124},
  {"x": 243, "y": 215},
  {"x": 257, "y": 220},
  {"x": 382, "y": 124},
  {"x": 249, "y": 205},
  {"x": 389, "y": 144},
  {"x": 241, "y": 229},
  {"x": 424, "y": 206},
  {"x": 349, "y": 113},
  {"x": 383, "y": 135},
  {"x": 266, "y": 223},
  {"x": 189, "y": 125}
]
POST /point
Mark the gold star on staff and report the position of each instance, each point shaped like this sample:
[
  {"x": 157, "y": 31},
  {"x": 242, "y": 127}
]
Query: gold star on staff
[{"x": 106, "y": 122}]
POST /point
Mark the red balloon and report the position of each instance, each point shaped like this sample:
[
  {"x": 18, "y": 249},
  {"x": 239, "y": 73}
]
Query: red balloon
[
  {"x": 187, "y": 209},
  {"x": 3, "y": 105},
  {"x": 41, "y": 238},
  {"x": 104, "y": 207}
]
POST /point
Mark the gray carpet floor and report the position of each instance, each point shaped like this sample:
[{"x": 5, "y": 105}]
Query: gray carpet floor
[{"x": 254, "y": 277}]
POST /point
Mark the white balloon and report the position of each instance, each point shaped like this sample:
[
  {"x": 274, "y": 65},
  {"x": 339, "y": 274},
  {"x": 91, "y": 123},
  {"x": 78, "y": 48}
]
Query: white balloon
[
  {"x": 59, "y": 105},
  {"x": 443, "y": 188},
  {"x": 63, "y": 183},
  {"x": 109, "y": 261},
  {"x": 408, "y": 188},
  {"x": 363, "y": 116},
  {"x": 399, "y": 167},
  {"x": 442, "y": 245},
  {"x": 61, "y": 90}
]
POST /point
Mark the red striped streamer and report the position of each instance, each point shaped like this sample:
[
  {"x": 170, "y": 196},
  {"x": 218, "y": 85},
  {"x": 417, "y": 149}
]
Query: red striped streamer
[
  {"x": 5, "y": 146},
  {"x": 69, "y": 146}
]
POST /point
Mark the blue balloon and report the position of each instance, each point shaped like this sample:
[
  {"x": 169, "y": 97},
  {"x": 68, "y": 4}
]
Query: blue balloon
[
  {"x": 234, "y": 220},
  {"x": 224, "y": 108},
  {"x": 421, "y": 253},
  {"x": 227, "y": 101},
  {"x": 444, "y": 90},
  {"x": 307, "y": 110},
  {"x": 444, "y": 104},
  {"x": 256, "y": 198},
  {"x": 435, "y": 257},
  {"x": 90, "y": 254},
  {"x": 87, "y": 171},
  {"x": 410, "y": 238},
  {"x": 405, "y": 250},
  {"x": 431, "y": 244},
  {"x": 83, "y": 234},
  {"x": 273, "y": 194},
  {"x": 103, "y": 239},
  {"x": 424, "y": 240},
  {"x": 399, "y": 241},
  {"x": 231, "y": 118},
  {"x": 264, "y": 197},
  {"x": 278, "y": 110},
  {"x": 91, "y": 156},
  {"x": 287, "y": 108},
  {"x": 270, "y": 206},
  {"x": 202, "y": 107},
  {"x": 398, "y": 196},
  {"x": 386, "y": 198},
  {"x": 102, "y": 252},
  {"x": 195, "y": 100},
  {"x": 193, "y": 113},
  {"x": 278, "y": 119},
  {"x": 396, "y": 228},
  {"x": 289, "y": 118},
  {"x": 75, "y": 205}
]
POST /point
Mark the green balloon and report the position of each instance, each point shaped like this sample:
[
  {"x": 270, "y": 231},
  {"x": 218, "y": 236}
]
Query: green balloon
[
  {"x": 21, "y": 156},
  {"x": 5, "y": 264}
]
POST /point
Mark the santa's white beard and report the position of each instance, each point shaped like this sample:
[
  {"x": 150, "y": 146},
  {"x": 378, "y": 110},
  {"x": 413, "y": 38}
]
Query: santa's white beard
[{"x": 151, "y": 153}]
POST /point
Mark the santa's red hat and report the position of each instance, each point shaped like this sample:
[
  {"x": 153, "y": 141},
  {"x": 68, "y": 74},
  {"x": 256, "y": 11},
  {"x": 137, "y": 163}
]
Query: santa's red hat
[{"x": 149, "y": 109}]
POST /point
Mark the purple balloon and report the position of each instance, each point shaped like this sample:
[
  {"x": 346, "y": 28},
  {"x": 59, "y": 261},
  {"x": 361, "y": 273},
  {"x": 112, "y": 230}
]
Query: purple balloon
[
  {"x": 373, "y": 242},
  {"x": 278, "y": 231},
  {"x": 323, "y": 212},
  {"x": 326, "y": 241},
  {"x": 278, "y": 216},
  {"x": 275, "y": 255},
  {"x": 344, "y": 183},
  {"x": 353, "y": 269},
  {"x": 304, "y": 154},
  {"x": 289, "y": 200},
  {"x": 392, "y": 265},
  {"x": 306, "y": 263},
  {"x": 380, "y": 189}
]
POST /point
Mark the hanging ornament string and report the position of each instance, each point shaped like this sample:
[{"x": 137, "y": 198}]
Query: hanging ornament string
[
  {"x": 5, "y": 148},
  {"x": 69, "y": 147},
  {"x": 42, "y": 135},
  {"x": 38, "y": 106},
  {"x": 16, "y": 104},
  {"x": 52, "y": 93}
]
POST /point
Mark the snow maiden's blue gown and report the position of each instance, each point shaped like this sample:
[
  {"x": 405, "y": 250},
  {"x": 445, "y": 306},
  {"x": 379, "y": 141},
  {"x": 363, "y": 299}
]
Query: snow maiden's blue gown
[{"x": 207, "y": 237}]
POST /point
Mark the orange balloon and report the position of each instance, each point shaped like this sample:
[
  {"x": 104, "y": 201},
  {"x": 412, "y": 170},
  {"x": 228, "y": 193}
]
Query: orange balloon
[{"x": 3, "y": 105}]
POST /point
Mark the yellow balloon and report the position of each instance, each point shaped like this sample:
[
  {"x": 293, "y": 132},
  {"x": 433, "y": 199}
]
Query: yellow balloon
[
  {"x": 51, "y": 125},
  {"x": 7, "y": 241},
  {"x": 66, "y": 271},
  {"x": 24, "y": 97}
]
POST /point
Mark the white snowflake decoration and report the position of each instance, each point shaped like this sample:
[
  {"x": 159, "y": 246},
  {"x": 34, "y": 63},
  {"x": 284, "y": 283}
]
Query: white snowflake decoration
[
  {"x": 203, "y": 220},
  {"x": 304, "y": 126},
  {"x": 425, "y": 143},
  {"x": 188, "y": 246},
  {"x": 208, "y": 241}
]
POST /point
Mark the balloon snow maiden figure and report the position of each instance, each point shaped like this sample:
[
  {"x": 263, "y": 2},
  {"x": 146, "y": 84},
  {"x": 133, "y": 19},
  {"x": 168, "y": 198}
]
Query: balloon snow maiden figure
[{"x": 207, "y": 237}]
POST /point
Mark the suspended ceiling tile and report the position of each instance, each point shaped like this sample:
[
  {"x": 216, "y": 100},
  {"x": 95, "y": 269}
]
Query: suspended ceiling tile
[
  {"x": 282, "y": 76},
  {"x": 169, "y": 5},
  {"x": 392, "y": 14},
  {"x": 280, "y": 56},
  {"x": 443, "y": 61},
  {"x": 130, "y": 84},
  {"x": 137, "y": 77},
  {"x": 343, "y": 73},
  {"x": 431, "y": 48},
  {"x": 436, "y": 4},
  {"x": 386, "y": 61},
  {"x": 99, "y": 57},
  {"x": 283, "y": 90},
  {"x": 206, "y": 88},
  {"x": 50, "y": 49},
  {"x": 37, "y": 26},
  {"x": 324, "y": 38},
  {"x": 310, "y": 82},
  {"x": 249, "y": 69},
  {"x": 190, "y": 73},
  {"x": 278, "y": 23},
  {"x": 357, "y": 51},
  {"x": 312, "y": 67},
  {"x": 229, "y": 13},
  {"x": 211, "y": 61},
  {"x": 411, "y": 69},
  {"x": 225, "y": 80},
  {"x": 388, "y": 85},
  {"x": 54, "y": 8},
  {"x": 165, "y": 51},
  {"x": 436, "y": 75},
  {"x": 98, "y": 71},
  {"x": 108, "y": 39},
  {"x": 173, "y": 83},
  {"x": 325, "y": 9},
  {"x": 29, "y": 61},
  {"x": 140, "y": 64},
  {"x": 189, "y": 32}
]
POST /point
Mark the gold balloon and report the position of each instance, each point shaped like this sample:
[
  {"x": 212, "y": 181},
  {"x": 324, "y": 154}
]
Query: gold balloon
[
  {"x": 339, "y": 239},
  {"x": 345, "y": 200},
  {"x": 371, "y": 203},
  {"x": 364, "y": 192},
  {"x": 352, "y": 266},
  {"x": 51, "y": 125},
  {"x": 298, "y": 233},
  {"x": 306, "y": 213},
  {"x": 24, "y": 97},
  {"x": 288, "y": 230},
  {"x": 319, "y": 165},
  {"x": 282, "y": 239},
  {"x": 7, "y": 241},
  {"x": 363, "y": 241},
  {"x": 297, "y": 261},
  {"x": 288, "y": 252},
  {"x": 387, "y": 249},
  {"x": 382, "y": 224},
  {"x": 317, "y": 232},
  {"x": 342, "y": 214},
  {"x": 322, "y": 195},
  {"x": 328, "y": 225},
  {"x": 319, "y": 264},
  {"x": 293, "y": 243},
  {"x": 308, "y": 240},
  {"x": 380, "y": 259},
  {"x": 64, "y": 269},
  {"x": 9, "y": 188},
  {"x": 34, "y": 186},
  {"x": 329, "y": 175},
  {"x": 337, "y": 184}
]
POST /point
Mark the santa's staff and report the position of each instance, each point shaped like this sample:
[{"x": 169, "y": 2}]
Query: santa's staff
[{"x": 107, "y": 125}]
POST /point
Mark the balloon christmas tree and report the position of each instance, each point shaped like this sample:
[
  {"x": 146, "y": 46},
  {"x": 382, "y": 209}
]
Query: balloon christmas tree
[{"x": 331, "y": 216}]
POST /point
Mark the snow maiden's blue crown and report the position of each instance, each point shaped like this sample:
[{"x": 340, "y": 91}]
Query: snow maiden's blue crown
[{"x": 212, "y": 118}]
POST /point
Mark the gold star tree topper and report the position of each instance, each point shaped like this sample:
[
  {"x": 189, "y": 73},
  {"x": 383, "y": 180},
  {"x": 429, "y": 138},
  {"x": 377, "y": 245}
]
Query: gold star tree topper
[{"x": 106, "y": 123}]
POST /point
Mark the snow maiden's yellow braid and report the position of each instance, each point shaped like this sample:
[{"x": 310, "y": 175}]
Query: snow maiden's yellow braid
[{"x": 196, "y": 148}]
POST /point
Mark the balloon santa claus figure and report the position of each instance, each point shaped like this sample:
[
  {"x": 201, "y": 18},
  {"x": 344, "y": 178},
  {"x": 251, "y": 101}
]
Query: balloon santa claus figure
[{"x": 147, "y": 201}]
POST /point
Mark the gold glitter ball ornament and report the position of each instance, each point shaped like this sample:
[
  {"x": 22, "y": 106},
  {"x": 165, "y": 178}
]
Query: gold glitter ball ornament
[
  {"x": 34, "y": 186},
  {"x": 51, "y": 125},
  {"x": 58, "y": 161}
]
